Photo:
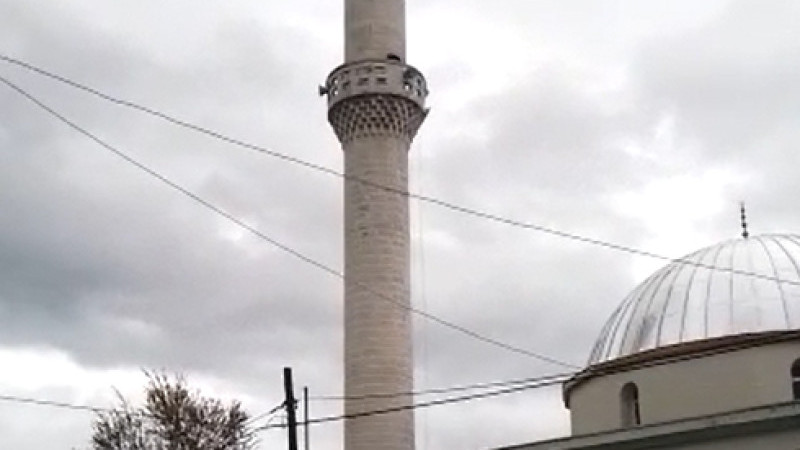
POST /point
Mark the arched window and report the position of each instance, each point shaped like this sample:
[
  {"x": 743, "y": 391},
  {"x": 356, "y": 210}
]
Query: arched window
[
  {"x": 629, "y": 401},
  {"x": 796, "y": 380}
]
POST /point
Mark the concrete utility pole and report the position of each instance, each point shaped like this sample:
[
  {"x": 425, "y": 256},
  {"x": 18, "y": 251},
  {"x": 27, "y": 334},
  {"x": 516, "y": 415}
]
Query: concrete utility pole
[{"x": 376, "y": 104}]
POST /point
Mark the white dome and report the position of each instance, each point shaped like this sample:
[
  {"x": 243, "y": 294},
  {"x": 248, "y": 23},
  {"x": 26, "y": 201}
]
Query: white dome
[{"x": 739, "y": 286}]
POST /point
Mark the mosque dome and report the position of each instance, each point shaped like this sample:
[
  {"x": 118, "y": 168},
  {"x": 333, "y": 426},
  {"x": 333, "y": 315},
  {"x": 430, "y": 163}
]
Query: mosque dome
[{"x": 740, "y": 286}]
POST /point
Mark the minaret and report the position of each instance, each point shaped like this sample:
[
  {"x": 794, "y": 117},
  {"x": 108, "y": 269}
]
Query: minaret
[{"x": 376, "y": 104}]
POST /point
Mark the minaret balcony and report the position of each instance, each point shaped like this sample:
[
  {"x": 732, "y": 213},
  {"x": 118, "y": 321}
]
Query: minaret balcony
[{"x": 375, "y": 77}]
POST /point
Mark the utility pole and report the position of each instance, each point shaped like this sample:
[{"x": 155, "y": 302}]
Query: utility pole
[
  {"x": 290, "y": 403},
  {"x": 305, "y": 419}
]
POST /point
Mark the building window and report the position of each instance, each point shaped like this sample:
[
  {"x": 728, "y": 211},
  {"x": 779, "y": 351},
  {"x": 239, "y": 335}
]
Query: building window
[
  {"x": 629, "y": 401},
  {"x": 796, "y": 380}
]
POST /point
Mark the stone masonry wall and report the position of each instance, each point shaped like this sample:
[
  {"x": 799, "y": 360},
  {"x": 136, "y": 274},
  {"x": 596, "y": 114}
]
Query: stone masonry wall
[
  {"x": 374, "y": 29},
  {"x": 378, "y": 342}
]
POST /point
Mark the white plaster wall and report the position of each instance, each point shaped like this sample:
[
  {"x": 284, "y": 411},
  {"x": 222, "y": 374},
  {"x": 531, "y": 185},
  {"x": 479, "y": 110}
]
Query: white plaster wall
[{"x": 725, "y": 382}]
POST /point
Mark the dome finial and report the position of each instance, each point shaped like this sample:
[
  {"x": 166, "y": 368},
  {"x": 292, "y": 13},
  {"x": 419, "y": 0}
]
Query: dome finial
[{"x": 745, "y": 233}]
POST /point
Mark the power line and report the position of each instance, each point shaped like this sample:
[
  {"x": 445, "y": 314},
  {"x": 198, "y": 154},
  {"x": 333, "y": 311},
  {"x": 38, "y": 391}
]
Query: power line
[
  {"x": 531, "y": 383},
  {"x": 446, "y": 390},
  {"x": 175, "y": 121},
  {"x": 53, "y": 403},
  {"x": 550, "y": 380},
  {"x": 547, "y": 381},
  {"x": 272, "y": 241},
  {"x": 269, "y": 414},
  {"x": 421, "y": 197},
  {"x": 63, "y": 405},
  {"x": 527, "y": 384},
  {"x": 317, "y": 167}
]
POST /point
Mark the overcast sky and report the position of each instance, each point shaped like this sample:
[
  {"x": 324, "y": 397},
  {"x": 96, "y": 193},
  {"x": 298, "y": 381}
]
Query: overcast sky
[{"x": 639, "y": 123}]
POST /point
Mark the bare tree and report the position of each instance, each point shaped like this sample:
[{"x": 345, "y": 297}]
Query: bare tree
[{"x": 173, "y": 418}]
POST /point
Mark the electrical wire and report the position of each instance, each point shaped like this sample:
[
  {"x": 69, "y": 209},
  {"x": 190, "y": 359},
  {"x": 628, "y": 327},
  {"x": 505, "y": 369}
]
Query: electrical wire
[
  {"x": 421, "y": 357},
  {"x": 428, "y": 199},
  {"x": 550, "y": 380},
  {"x": 53, "y": 403},
  {"x": 420, "y": 197},
  {"x": 324, "y": 267},
  {"x": 527, "y": 384},
  {"x": 330, "y": 171},
  {"x": 534, "y": 382},
  {"x": 317, "y": 167},
  {"x": 99, "y": 410},
  {"x": 439, "y": 390},
  {"x": 269, "y": 415}
]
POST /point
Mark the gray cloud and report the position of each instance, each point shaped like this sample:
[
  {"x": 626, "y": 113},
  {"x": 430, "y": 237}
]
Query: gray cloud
[{"x": 108, "y": 265}]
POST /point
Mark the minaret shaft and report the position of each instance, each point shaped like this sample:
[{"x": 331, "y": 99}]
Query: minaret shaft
[
  {"x": 374, "y": 29},
  {"x": 376, "y": 104},
  {"x": 378, "y": 353}
]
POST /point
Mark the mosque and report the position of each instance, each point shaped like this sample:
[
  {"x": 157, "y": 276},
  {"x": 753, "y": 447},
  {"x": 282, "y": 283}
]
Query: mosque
[{"x": 704, "y": 354}]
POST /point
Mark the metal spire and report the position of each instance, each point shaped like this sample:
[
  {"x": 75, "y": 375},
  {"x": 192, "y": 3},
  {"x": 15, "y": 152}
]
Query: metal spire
[{"x": 745, "y": 233}]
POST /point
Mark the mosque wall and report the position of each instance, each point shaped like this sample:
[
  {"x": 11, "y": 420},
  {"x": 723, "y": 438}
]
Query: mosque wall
[
  {"x": 696, "y": 387},
  {"x": 784, "y": 440}
]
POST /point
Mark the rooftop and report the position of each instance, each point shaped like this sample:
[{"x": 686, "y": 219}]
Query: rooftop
[{"x": 747, "y": 285}]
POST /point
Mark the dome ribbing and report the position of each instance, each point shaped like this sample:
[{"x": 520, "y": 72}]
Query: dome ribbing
[{"x": 707, "y": 294}]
